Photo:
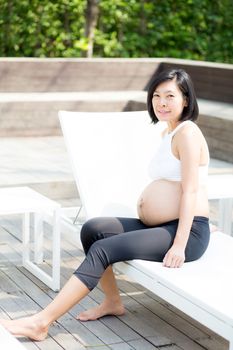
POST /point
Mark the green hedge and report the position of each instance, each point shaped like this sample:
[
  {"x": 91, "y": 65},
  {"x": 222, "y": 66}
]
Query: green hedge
[{"x": 192, "y": 29}]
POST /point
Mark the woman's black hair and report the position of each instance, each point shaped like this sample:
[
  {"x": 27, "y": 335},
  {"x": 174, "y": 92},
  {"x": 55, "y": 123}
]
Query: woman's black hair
[{"x": 184, "y": 83}]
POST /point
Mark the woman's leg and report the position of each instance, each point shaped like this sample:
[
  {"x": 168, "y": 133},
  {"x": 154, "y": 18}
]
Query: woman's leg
[
  {"x": 36, "y": 327},
  {"x": 111, "y": 305},
  {"x": 92, "y": 231},
  {"x": 146, "y": 244}
]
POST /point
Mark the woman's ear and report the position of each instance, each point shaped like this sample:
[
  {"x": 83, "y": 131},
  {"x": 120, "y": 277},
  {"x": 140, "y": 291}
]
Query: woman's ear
[{"x": 186, "y": 102}]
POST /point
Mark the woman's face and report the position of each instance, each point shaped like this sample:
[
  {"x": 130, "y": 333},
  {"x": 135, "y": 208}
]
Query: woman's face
[{"x": 168, "y": 101}]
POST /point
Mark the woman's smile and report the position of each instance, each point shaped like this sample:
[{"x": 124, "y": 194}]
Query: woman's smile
[{"x": 163, "y": 112}]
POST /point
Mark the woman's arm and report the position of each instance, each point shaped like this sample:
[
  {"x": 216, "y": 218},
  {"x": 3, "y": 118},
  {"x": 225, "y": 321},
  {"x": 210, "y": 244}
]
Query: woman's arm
[{"x": 189, "y": 150}]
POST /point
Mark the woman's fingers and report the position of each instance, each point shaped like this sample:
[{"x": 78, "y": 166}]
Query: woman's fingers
[{"x": 173, "y": 260}]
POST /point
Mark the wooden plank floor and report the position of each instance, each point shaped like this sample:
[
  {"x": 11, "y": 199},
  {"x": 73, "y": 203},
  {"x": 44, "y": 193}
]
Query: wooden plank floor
[{"x": 149, "y": 323}]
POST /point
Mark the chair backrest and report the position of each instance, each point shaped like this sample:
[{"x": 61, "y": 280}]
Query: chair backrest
[{"x": 109, "y": 154}]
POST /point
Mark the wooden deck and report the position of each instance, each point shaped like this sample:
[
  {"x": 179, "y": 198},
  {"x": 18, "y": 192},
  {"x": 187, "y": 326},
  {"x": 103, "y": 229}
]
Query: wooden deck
[{"x": 149, "y": 322}]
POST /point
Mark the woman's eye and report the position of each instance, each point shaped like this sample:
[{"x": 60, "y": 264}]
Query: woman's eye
[{"x": 170, "y": 96}]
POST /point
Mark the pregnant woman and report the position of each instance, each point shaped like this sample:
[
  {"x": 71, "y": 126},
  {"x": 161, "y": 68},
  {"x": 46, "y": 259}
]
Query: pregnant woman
[{"x": 172, "y": 225}]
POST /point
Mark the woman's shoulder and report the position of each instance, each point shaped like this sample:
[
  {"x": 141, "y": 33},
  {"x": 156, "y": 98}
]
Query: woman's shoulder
[
  {"x": 189, "y": 135},
  {"x": 190, "y": 129}
]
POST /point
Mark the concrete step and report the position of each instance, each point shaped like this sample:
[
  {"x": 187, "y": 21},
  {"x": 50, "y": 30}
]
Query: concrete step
[
  {"x": 36, "y": 114},
  {"x": 70, "y": 74}
]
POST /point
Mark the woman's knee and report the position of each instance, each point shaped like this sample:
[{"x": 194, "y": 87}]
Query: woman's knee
[{"x": 90, "y": 233}]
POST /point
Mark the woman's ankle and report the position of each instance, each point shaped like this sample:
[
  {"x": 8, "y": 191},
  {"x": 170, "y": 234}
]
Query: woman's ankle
[{"x": 113, "y": 300}]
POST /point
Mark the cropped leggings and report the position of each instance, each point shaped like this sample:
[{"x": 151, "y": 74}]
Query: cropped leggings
[{"x": 107, "y": 240}]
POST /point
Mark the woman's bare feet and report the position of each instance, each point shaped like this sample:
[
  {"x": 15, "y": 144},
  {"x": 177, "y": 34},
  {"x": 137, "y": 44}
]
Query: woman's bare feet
[
  {"x": 104, "y": 309},
  {"x": 31, "y": 327}
]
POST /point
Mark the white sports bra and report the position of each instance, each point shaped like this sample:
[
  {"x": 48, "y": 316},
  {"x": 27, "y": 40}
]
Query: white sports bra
[{"x": 164, "y": 165}]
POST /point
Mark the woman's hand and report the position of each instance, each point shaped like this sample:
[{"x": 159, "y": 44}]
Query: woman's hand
[{"x": 174, "y": 257}]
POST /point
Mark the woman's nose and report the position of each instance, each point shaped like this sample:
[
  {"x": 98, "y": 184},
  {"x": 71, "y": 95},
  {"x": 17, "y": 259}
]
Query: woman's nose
[{"x": 162, "y": 102}]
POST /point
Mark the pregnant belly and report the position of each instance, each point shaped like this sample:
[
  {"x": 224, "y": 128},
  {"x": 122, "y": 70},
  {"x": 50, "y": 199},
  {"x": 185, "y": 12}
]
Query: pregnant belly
[{"x": 159, "y": 202}]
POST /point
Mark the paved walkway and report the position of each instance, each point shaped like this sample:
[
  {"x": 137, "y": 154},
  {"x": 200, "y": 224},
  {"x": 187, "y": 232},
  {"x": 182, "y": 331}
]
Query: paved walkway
[{"x": 33, "y": 160}]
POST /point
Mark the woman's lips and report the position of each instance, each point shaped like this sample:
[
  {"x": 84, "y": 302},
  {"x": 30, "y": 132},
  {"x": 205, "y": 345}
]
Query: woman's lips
[{"x": 163, "y": 112}]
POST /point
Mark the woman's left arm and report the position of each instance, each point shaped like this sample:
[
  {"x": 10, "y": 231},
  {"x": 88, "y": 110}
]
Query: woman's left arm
[{"x": 189, "y": 149}]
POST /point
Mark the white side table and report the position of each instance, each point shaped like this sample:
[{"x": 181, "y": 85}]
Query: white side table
[{"x": 25, "y": 201}]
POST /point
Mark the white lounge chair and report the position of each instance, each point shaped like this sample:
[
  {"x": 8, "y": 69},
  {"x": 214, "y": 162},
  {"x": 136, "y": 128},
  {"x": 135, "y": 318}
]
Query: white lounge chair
[{"x": 109, "y": 153}]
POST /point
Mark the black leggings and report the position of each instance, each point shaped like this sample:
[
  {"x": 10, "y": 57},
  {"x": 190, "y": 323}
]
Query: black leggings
[{"x": 107, "y": 240}]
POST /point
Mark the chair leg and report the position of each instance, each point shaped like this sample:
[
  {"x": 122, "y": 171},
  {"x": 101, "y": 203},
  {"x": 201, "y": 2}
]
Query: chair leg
[
  {"x": 225, "y": 211},
  {"x": 77, "y": 215},
  {"x": 26, "y": 237},
  {"x": 38, "y": 238},
  {"x": 231, "y": 344},
  {"x": 56, "y": 248}
]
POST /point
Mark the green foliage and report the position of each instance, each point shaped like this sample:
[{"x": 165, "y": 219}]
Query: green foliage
[
  {"x": 192, "y": 29},
  {"x": 41, "y": 28}
]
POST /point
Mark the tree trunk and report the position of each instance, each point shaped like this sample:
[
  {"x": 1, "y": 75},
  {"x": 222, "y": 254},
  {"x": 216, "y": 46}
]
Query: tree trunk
[
  {"x": 92, "y": 13},
  {"x": 143, "y": 17}
]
